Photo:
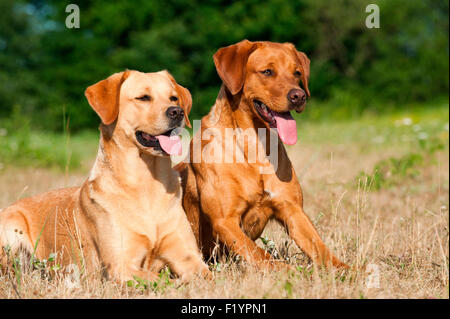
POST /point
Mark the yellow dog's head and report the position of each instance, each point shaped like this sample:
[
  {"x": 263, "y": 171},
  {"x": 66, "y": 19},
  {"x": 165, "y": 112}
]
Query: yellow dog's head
[{"x": 144, "y": 107}]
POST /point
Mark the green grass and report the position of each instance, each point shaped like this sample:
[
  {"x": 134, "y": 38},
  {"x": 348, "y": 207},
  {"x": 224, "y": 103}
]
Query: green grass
[
  {"x": 396, "y": 170},
  {"x": 406, "y": 141},
  {"x": 41, "y": 149},
  {"x": 25, "y": 147},
  {"x": 401, "y": 128},
  {"x": 21, "y": 145}
]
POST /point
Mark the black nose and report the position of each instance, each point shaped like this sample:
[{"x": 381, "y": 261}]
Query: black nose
[
  {"x": 175, "y": 113},
  {"x": 297, "y": 96}
]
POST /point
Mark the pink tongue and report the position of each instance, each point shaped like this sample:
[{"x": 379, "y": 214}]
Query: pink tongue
[
  {"x": 287, "y": 127},
  {"x": 170, "y": 144}
]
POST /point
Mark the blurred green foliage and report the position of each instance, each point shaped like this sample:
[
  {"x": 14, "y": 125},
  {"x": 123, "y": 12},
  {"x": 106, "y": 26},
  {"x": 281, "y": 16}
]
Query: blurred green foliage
[{"x": 45, "y": 67}]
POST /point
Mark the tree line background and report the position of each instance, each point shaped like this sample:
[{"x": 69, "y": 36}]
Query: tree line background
[{"x": 45, "y": 67}]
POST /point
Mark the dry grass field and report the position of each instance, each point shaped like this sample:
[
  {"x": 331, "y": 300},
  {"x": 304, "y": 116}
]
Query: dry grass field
[{"x": 394, "y": 218}]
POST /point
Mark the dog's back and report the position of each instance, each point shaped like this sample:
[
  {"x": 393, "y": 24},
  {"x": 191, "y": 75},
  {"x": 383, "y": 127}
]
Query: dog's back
[{"x": 44, "y": 224}]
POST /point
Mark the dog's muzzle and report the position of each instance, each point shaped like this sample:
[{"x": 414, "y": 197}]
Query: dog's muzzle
[{"x": 297, "y": 100}]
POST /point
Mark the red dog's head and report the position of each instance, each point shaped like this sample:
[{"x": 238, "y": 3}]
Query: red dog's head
[{"x": 267, "y": 75}]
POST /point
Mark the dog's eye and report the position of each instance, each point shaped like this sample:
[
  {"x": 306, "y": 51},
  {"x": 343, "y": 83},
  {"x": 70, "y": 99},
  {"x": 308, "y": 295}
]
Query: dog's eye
[
  {"x": 297, "y": 73},
  {"x": 173, "y": 98},
  {"x": 267, "y": 72},
  {"x": 144, "y": 98}
]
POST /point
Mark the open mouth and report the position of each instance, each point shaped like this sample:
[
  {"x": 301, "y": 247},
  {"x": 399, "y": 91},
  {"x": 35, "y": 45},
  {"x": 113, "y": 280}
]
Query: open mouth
[
  {"x": 167, "y": 143},
  {"x": 266, "y": 113},
  {"x": 283, "y": 122}
]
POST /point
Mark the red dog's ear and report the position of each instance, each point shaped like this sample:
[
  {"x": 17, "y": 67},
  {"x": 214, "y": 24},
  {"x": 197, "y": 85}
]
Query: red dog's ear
[
  {"x": 304, "y": 64},
  {"x": 184, "y": 96},
  {"x": 103, "y": 96},
  {"x": 230, "y": 64}
]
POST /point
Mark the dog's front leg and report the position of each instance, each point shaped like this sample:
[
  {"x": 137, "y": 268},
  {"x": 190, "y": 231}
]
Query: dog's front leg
[
  {"x": 125, "y": 272},
  {"x": 301, "y": 229},
  {"x": 125, "y": 260},
  {"x": 229, "y": 233},
  {"x": 179, "y": 249}
]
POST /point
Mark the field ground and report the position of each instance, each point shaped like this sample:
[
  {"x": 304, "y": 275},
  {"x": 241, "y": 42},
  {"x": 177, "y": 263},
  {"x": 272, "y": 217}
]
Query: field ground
[{"x": 376, "y": 188}]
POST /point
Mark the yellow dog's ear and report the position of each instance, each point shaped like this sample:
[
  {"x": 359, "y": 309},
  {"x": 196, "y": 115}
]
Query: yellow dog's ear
[
  {"x": 185, "y": 97},
  {"x": 304, "y": 64},
  {"x": 230, "y": 64},
  {"x": 103, "y": 96}
]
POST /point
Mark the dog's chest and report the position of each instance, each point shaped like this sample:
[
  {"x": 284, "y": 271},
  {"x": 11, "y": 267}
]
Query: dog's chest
[
  {"x": 259, "y": 194},
  {"x": 141, "y": 210},
  {"x": 152, "y": 207}
]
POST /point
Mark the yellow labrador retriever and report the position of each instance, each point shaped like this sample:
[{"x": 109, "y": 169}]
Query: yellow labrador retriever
[{"x": 127, "y": 217}]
